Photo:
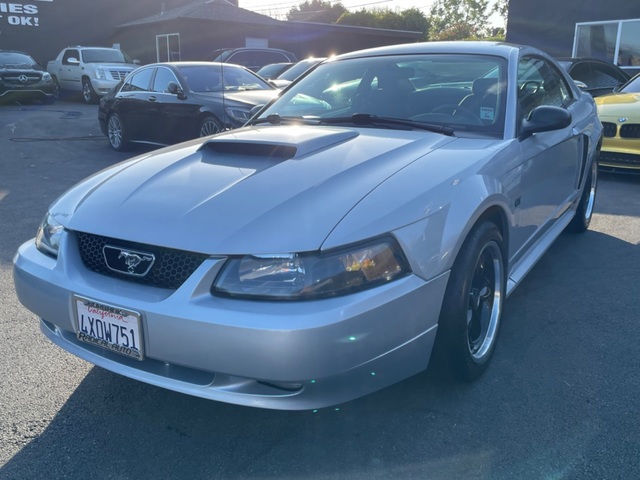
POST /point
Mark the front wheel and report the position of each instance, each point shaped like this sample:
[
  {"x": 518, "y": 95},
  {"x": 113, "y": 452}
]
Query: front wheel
[
  {"x": 209, "y": 126},
  {"x": 584, "y": 211},
  {"x": 473, "y": 304},
  {"x": 116, "y": 133},
  {"x": 89, "y": 95}
]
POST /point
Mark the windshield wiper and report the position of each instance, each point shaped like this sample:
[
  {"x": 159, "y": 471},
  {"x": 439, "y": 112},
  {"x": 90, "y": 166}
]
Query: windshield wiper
[
  {"x": 370, "y": 119},
  {"x": 276, "y": 119}
]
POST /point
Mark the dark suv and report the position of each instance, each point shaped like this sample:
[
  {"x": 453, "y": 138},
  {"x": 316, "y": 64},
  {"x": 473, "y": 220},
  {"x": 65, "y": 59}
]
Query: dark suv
[
  {"x": 251, "y": 58},
  {"x": 22, "y": 79}
]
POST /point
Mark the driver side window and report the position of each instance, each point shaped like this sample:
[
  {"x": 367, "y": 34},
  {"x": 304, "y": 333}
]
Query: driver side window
[{"x": 539, "y": 83}]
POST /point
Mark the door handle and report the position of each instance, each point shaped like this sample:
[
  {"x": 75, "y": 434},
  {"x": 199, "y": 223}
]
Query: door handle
[{"x": 152, "y": 98}]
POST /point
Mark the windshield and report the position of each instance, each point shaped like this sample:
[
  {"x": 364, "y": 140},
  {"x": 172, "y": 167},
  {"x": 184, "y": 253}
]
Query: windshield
[
  {"x": 298, "y": 69},
  {"x": 10, "y": 59},
  {"x": 209, "y": 78},
  {"x": 632, "y": 86},
  {"x": 464, "y": 92},
  {"x": 105, "y": 55}
]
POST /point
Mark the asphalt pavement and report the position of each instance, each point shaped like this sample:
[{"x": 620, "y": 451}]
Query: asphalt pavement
[{"x": 559, "y": 401}]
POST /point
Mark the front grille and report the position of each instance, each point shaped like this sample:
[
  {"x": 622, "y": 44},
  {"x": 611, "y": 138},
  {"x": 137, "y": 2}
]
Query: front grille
[
  {"x": 619, "y": 159},
  {"x": 118, "y": 74},
  {"x": 609, "y": 129},
  {"x": 14, "y": 79},
  {"x": 631, "y": 130},
  {"x": 170, "y": 270}
]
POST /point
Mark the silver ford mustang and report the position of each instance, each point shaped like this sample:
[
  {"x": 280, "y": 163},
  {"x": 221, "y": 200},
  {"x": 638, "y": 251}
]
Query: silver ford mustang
[{"x": 374, "y": 216}]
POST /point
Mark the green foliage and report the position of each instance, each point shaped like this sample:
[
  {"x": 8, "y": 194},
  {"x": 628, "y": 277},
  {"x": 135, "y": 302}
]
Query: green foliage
[
  {"x": 448, "y": 19},
  {"x": 318, "y": 11},
  {"x": 412, "y": 20},
  {"x": 459, "y": 20}
]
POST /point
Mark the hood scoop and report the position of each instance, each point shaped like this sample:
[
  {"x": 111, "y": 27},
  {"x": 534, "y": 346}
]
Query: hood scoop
[
  {"x": 277, "y": 143},
  {"x": 264, "y": 150}
]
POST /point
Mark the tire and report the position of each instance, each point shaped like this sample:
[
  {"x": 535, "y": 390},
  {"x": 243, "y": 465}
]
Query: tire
[
  {"x": 209, "y": 126},
  {"x": 472, "y": 307},
  {"x": 584, "y": 211},
  {"x": 89, "y": 95},
  {"x": 116, "y": 133}
]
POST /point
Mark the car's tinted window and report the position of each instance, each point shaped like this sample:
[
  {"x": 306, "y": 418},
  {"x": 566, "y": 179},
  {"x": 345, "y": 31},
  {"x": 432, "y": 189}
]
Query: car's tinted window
[
  {"x": 210, "y": 78},
  {"x": 162, "y": 79},
  {"x": 139, "y": 81},
  {"x": 14, "y": 59},
  {"x": 107, "y": 55},
  {"x": 540, "y": 83},
  {"x": 70, "y": 54}
]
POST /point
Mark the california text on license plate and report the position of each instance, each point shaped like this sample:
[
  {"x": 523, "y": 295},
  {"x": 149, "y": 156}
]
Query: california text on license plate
[{"x": 107, "y": 326}]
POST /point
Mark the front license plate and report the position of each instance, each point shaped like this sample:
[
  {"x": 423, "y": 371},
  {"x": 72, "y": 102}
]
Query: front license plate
[{"x": 107, "y": 326}]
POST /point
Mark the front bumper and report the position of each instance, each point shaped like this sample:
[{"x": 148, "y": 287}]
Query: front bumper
[
  {"x": 45, "y": 93},
  {"x": 281, "y": 355}
]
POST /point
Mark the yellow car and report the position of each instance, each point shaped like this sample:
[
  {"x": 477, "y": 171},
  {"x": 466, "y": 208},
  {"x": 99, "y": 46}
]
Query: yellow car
[{"x": 619, "y": 113}]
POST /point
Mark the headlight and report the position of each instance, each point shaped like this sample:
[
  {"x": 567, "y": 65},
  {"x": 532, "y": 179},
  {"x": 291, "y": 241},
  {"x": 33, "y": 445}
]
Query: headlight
[
  {"x": 304, "y": 276},
  {"x": 239, "y": 114},
  {"x": 48, "y": 237},
  {"x": 100, "y": 74},
  {"x": 46, "y": 76}
]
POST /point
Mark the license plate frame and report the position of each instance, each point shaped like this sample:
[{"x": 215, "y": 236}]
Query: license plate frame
[{"x": 116, "y": 329}]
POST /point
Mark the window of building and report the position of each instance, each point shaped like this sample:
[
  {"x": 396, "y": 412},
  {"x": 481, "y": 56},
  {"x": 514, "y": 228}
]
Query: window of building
[
  {"x": 168, "y": 48},
  {"x": 616, "y": 42}
]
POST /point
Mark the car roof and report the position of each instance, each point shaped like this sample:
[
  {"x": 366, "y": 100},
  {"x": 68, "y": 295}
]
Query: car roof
[{"x": 458, "y": 47}]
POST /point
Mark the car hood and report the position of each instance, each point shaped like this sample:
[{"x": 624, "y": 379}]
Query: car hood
[
  {"x": 247, "y": 97},
  {"x": 116, "y": 65},
  {"x": 17, "y": 69},
  {"x": 254, "y": 190},
  {"x": 619, "y": 104}
]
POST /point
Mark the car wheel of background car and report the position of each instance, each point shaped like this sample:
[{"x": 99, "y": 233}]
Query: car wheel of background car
[
  {"x": 88, "y": 93},
  {"x": 116, "y": 133},
  {"x": 472, "y": 306},
  {"x": 584, "y": 212},
  {"x": 209, "y": 126}
]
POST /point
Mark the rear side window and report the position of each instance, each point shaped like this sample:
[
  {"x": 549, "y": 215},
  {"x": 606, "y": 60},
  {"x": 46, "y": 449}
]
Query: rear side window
[
  {"x": 163, "y": 77},
  {"x": 139, "y": 81}
]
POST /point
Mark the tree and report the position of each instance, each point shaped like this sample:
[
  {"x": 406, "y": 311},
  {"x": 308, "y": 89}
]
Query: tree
[
  {"x": 319, "y": 11},
  {"x": 412, "y": 20},
  {"x": 459, "y": 20}
]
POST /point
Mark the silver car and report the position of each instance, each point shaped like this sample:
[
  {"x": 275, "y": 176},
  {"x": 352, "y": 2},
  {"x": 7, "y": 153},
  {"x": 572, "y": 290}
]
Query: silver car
[{"x": 374, "y": 217}]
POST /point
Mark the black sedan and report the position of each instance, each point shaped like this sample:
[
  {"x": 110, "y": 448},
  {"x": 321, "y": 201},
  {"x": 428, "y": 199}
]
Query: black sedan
[
  {"x": 167, "y": 103},
  {"x": 598, "y": 77},
  {"x": 22, "y": 79}
]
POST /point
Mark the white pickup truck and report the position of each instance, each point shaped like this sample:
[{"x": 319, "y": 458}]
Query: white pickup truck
[{"x": 90, "y": 70}]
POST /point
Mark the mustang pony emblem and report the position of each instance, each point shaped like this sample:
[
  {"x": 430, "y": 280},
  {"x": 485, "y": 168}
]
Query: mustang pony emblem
[
  {"x": 130, "y": 262},
  {"x": 133, "y": 260}
]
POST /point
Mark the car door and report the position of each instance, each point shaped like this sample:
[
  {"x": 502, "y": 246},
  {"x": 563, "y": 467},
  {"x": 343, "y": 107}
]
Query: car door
[
  {"x": 551, "y": 160},
  {"x": 69, "y": 72},
  {"x": 135, "y": 107},
  {"x": 176, "y": 116}
]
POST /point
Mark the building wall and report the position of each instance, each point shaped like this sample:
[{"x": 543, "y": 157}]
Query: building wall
[
  {"x": 198, "y": 38},
  {"x": 44, "y": 27},
  {"x": 550, "y": 24}
]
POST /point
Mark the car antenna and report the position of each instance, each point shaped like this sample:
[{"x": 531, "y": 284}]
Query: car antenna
[{"x": 224, "y": 110}]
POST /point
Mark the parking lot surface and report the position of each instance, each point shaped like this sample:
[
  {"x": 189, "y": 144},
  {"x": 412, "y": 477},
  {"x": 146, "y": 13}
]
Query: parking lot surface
[{"x": 559, "y": 401}]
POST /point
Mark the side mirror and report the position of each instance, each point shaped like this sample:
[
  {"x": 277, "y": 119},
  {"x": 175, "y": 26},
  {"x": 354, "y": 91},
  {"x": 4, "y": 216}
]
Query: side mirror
[
  {"x": 73, "y": 61},
  {"x": 136, "y": 62},
  {"x": 581, "y": 85},
  {"x": 174, "y": 89},
  {"x": 545, "y": 118},
  {"x": 255, "y": 110}
]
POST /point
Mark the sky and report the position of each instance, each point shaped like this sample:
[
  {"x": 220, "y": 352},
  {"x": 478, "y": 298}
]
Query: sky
[{"x": 279, "y": 8}]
